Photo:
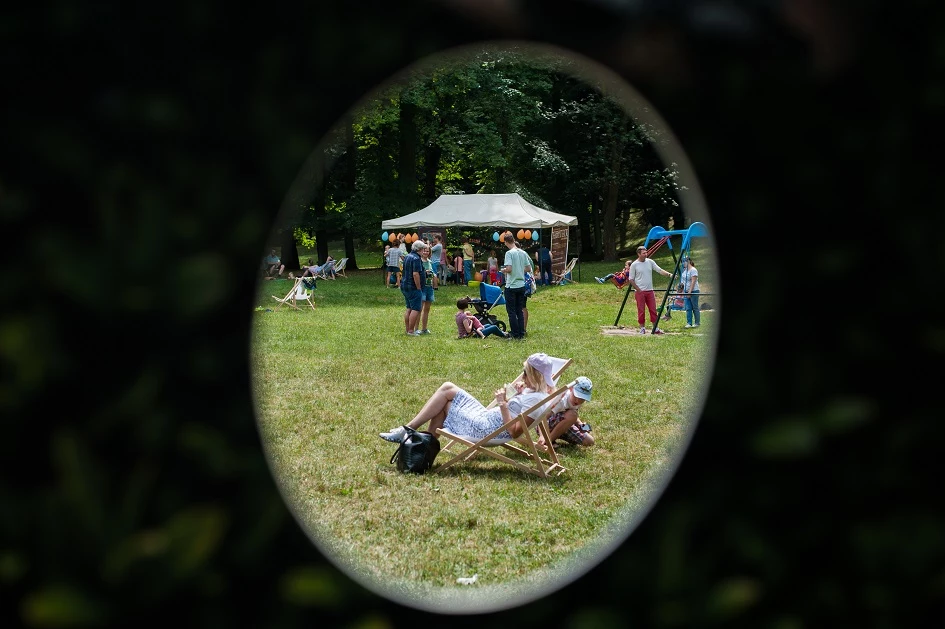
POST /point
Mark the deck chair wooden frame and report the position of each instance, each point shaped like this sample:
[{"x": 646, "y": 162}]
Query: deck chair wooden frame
[
  {"x": 542, "y": 463},
  {"x": 340, "y": 267},
  {"x": 557, "y": 278},
  {"x": 297, "y": 293}
]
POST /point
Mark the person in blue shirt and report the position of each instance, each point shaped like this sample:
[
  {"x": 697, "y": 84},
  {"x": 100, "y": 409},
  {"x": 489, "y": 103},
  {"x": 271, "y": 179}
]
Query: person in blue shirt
[
  {"x": 543, "y": 257},
  {"x": 411, "y": 285}
]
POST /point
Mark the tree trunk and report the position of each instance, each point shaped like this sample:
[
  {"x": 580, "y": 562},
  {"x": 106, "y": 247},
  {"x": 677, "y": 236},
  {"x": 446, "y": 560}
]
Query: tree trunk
[
  {"x": 431, "y": 163},
  {"x": 596, "y": 219},
  {"x": 318, "y": 209},
  {"x": 351, "y": 179},
  {"x": 407, "y": 164},
  {"x": 349, "y": 251},
  {"x": 609, "y": 217},
  {"x": 586, "y": 216},
  {"x": 289, "y": 252}
]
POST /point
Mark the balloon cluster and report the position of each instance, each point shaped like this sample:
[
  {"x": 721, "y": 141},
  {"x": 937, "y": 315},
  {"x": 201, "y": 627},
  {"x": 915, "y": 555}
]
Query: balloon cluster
[
  {"x": 523, "y": 234},
  {"x": 405, "y": 238}
]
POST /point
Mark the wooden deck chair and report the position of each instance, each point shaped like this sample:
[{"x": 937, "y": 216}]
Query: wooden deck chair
[
  {"x": 340, "y": 267},
  {"x": 326, "y": 271},
  {"x": 538, "y": 462},
  {"x": 566, "y": 274},
  {"x": 298, "y": 292}
]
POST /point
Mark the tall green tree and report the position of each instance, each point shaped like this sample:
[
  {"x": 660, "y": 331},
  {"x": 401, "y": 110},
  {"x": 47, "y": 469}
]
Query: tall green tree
[{"x": 501, "y": 122}]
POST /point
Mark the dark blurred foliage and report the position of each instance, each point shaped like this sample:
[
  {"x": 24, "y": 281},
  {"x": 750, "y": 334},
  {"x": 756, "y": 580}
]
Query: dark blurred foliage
[{"x": 146, "y": 151}]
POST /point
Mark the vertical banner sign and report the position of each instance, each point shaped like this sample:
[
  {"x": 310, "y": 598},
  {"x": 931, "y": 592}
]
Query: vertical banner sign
[{"x": 559, "y": 249}]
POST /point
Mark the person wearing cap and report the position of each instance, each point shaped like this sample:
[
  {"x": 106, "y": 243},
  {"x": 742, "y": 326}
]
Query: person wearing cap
[
  {"x": 564, "y": 423},
  {"x": 641, "y": 278},
  {"x": 451, "y": 407}
]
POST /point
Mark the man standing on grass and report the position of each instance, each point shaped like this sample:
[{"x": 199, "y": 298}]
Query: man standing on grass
[
  {"x": 412, "y": 287},
  {"x": 516, "y": 264},
  {"x": 469, "y": 259},
  {"x": 641, "y": 278},
  {"x": 543, "y": 256},
  {"x": 436, "y": 256}
]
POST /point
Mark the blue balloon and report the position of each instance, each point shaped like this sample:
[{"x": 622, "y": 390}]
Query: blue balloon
[
  {"x": 495, "y": 236},
  {"x": 535, "y": 235},
  {"x": 384, "y": 236}
]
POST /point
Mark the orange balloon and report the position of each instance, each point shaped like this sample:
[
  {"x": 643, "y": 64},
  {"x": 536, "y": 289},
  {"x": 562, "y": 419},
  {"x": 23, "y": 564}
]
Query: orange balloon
[
  {"x": 392, "y": 237},
  {"x": 414, "y": 237},
  {"x": 521, "y": 234},
  {"x": 407, "y": 239},
  {"x": 478, "y": 276},
  {"x": 528, "y": 234}
]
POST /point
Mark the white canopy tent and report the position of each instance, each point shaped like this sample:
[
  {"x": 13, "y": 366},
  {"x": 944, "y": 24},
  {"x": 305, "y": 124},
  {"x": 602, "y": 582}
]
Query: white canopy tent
[{"x": 481, "y": 210}]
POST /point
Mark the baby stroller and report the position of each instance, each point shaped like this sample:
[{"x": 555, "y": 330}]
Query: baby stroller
[{"x": 489, "y": 297}]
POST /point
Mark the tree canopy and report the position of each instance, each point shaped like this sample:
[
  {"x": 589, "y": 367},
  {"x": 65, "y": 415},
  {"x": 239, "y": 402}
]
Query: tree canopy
[{"x": 495, "y": 122}]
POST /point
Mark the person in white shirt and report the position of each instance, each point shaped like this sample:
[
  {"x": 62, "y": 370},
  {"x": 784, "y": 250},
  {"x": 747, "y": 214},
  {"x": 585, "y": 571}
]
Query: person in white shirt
[
  {"x": 689, "y": 289},
  {"x": 455, "y": 409},
  {"x": 641, "y": 278}
]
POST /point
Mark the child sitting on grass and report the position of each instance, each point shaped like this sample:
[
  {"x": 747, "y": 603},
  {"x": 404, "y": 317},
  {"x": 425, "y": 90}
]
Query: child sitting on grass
[{"x": 468, "y": 325}]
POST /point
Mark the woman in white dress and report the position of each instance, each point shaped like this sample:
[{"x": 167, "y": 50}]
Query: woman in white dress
[{"x": 460, "y": 413}]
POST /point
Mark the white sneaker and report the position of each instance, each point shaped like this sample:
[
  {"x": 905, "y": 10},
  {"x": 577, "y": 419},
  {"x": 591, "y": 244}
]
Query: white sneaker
[
  {"x": 687, "y": 326},
  {"x": 396, "y": 435},
  {"x": 642, "y": 330},
  {"x": 696, "y": 325}
]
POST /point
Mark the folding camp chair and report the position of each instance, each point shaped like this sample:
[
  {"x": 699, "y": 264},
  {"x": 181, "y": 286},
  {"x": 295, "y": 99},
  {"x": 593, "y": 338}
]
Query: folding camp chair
[
  {"x": 326, "y": 271},
  {"x": 340, "y": 267},
  {"x": 538, "y": 462},
  {"x": 560, "y": 278},
  {"x": 301, "y": 290}
]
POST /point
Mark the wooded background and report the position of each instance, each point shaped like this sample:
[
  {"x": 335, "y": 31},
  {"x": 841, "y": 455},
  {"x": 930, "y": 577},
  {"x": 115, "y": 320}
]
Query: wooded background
[
  {"x": 147, "y": 150},
  {"x": 491, "y": 119}
]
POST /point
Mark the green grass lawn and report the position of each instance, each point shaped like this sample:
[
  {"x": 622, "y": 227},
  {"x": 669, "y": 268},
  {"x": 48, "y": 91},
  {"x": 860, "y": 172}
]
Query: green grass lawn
[{"x": 327, "y": 381}]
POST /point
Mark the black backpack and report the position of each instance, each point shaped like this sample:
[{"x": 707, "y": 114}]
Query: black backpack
[{"x": 416, "y": 451}]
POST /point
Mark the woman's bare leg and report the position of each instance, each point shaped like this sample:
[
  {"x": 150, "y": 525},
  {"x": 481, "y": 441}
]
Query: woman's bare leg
[
  {"x": 434, "y": 411},
  {"x": 424, "y": 314}
]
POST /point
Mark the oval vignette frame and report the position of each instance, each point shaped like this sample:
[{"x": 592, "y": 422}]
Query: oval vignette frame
[{"x": 484, "y": 598}]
